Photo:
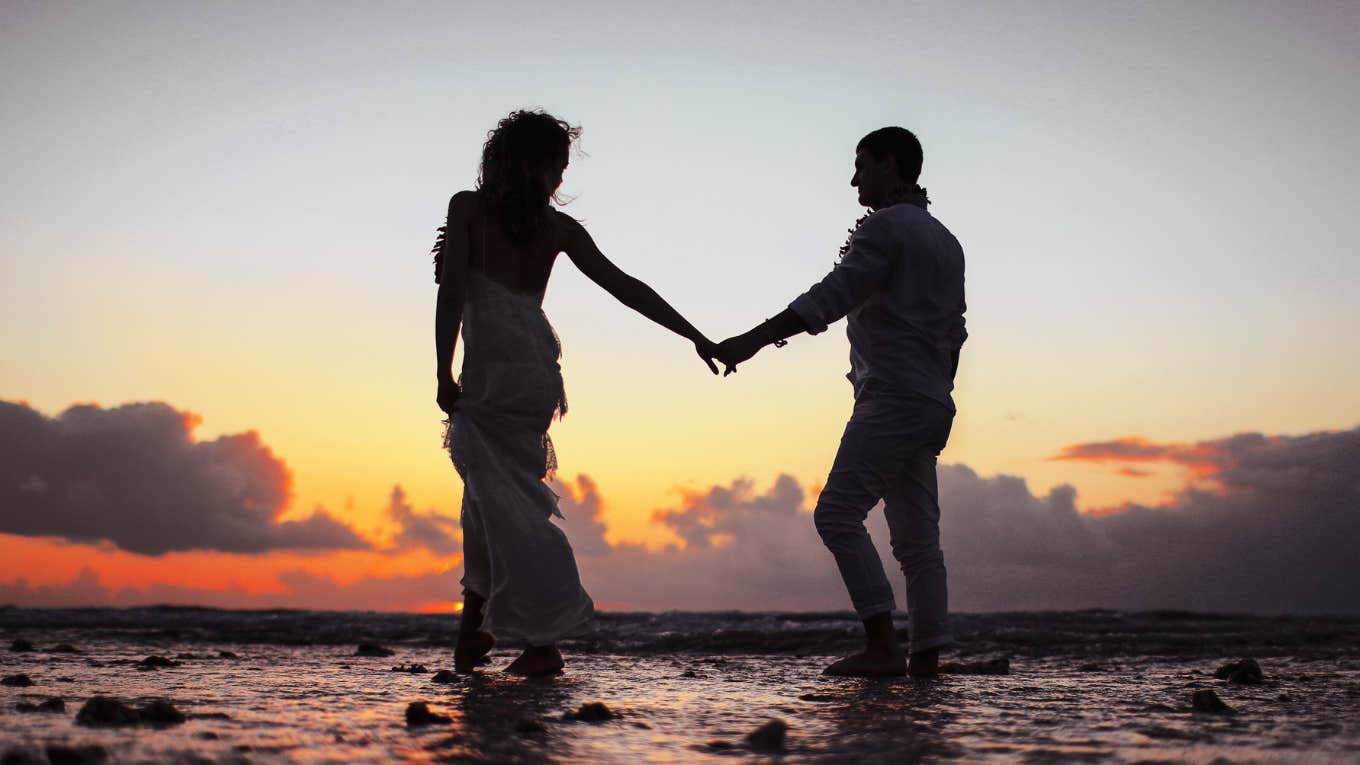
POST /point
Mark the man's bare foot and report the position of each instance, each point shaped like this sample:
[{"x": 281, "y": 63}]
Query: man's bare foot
[
  {"x": 471, "y": 650},
  {"x": 537, "y": 661},
  {"x": 924, "y": 663},
  {"x": 869, "y": 664}
]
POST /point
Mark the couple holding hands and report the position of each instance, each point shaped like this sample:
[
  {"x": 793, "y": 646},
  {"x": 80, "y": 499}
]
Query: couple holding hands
[{"x": 900, "y": 283}]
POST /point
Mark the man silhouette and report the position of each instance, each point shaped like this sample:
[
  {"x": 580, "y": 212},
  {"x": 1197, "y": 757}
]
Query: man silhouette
[{"x": 900, "y": 281}]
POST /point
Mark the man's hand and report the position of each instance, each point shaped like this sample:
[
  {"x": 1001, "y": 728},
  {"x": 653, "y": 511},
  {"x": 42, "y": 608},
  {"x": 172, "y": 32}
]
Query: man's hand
[
  {"x": 735, "y": 350},
  {"x": 448, "y": 395},
  {"x": 707, "y": 349}
]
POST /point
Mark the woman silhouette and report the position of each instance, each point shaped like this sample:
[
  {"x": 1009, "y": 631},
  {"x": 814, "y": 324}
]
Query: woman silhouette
[{"x": 492, "y": 262}]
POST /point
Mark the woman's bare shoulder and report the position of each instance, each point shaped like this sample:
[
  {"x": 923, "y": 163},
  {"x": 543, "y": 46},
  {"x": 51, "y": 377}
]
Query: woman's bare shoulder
[
  {"x": 569, "y": 230},
  {"x": 464, "y": 201}
]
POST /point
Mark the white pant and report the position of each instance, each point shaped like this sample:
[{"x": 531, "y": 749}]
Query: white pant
[{"x": 888, "y": 452}]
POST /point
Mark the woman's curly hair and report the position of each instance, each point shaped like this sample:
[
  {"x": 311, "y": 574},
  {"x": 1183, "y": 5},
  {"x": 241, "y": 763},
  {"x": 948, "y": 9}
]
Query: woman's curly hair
[{"x": 515, "y": 157}]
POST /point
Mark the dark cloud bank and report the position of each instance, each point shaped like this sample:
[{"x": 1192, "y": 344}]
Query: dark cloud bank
[
  {"x": 1270, "y": 525},
  {"x": 1275, "y": 530},
  {"x": 135, "y": 477}
]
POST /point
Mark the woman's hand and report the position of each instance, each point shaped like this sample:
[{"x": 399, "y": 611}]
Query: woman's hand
[
  {"x": 448, "y": 395},
  {"x": 735, "y": 350},
  {"x": 707, "y": 349}
]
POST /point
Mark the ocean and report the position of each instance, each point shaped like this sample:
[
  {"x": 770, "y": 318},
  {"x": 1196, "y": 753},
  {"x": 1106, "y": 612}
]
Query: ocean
[{"x": 1095, "y": 686}]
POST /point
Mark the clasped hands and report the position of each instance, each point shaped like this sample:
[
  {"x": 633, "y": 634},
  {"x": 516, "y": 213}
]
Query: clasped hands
[{"x": 730, "y": 352}]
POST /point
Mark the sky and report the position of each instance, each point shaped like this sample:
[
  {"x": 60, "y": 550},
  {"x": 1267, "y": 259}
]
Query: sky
[{"x": 216, "y": 347}]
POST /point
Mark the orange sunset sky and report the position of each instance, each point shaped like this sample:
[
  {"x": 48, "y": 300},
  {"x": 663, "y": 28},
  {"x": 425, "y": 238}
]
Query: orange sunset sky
[{"x": 214, "y": 233}]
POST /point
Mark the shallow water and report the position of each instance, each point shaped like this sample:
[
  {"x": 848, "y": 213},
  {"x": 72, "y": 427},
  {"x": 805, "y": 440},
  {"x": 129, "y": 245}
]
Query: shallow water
[{"x": 1072, "y": 695}]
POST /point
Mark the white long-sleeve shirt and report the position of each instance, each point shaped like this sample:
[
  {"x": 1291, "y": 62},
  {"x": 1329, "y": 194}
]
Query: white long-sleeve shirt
[{"x": 901, "y": 284}]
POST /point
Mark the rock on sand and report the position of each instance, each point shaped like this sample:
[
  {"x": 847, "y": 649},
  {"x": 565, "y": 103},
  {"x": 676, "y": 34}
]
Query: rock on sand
[
  {"x": 17, "y": 681},
  {"x": 89, "y": 754},
  {"x": 104, "y": 711},
  {"x": 417, "y": 713},
  {"x": 1208, "y": 701},
  {"x": 51, "y": 705},
  {"x": 768, "y": 737},
  {"x": 593, "y": 712},
  {"x": 373, "y": 649},
  {"x": 1242, "y": 671}
]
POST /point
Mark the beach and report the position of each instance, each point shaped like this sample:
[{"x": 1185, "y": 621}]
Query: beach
[{"x": 314, "y": 687}]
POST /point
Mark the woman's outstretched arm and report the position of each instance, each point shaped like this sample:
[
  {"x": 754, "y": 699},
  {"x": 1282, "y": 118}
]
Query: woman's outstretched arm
[
  {"x": 632, "y": 292},
  {"x": 448, "y": 311}
]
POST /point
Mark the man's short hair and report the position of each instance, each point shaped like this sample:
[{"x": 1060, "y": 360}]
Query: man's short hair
[{"x": 900, "y": 144}]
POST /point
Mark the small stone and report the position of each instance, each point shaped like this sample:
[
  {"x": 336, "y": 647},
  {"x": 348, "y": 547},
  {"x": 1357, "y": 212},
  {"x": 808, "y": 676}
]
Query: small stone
[
  {"x": 529, "y": 726},
  {"x": 1208, "y": 701},
  {"x": 227, "y": 655},
  {"x": 444, "y": 676},
  {"x": 207, "y": 735},
  {"x": 63, "y": 648},
  {"x": 373, "y": 649},
  {"x": 1242, "y": 671},
  {"x": 417, "y": 713},
  {"x": 158, "y": 662},
  {"x": 20, "y": 757},
  {"x": 20, "y": 646},
  {"x": 414, "y": 669},
  {"x": 1283, "y": 697},
  {"x": 161, "y": 712},
  {"x": 689, "y": 673},
  {"x": 817, "y": 697},
  {"x": 17, "y": 681},
  {"x": 210, "y": 716},
  {"x": 1000, "y": 666},
  {"x": 103, "y": 711},
  {"x": 90, "y": 754},
  {"x": 592, "y": 712},
  {"x": 51, "y": 705},
  {"x": 768, "y": 737},
  {"x": 718, "y": 743}
]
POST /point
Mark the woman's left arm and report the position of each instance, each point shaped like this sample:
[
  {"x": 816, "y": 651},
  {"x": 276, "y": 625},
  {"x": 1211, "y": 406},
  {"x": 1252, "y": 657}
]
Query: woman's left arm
[
  {"x": 448, "y": 311},
  {"x": 632, "y": 292}
]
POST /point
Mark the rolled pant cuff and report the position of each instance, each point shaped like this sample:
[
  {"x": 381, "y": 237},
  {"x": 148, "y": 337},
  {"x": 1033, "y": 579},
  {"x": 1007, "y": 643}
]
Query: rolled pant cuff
[
  {"x": 916, "y": 646},
  {"x": 875, "y": 610}
]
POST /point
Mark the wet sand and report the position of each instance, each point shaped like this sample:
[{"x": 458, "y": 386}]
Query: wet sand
[{"x": 265, "y": 702}]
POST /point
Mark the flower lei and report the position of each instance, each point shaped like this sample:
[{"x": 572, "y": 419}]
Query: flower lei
[{"x": 914, "y": 195}]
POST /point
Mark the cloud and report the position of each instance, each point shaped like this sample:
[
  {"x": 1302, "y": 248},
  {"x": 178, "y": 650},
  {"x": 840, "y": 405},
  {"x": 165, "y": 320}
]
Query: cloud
[
  {"x": 134, "y": 476},
  {"x": 1204, "y": 458},
  {"x": 1272, "y": 529},
  {"x": 432, "y": 530},
  {"x": 745, "y": 550}
]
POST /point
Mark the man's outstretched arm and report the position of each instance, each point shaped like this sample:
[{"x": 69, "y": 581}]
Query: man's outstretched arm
[
  {"x": 861, "y": 273},
  {"x": 735, "y": 350}
]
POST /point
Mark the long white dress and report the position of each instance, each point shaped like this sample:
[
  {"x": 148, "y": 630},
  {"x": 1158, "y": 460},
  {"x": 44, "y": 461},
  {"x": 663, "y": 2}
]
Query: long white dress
[{"x": 513, "y": 554}]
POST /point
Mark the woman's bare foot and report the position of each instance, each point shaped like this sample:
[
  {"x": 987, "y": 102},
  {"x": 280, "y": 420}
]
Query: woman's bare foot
[
  {"x": 924, "y": 663},
  {"x": 870, "y": 664},
  {"x": 471, "y": 650},
  {"x": 537, "y": 661}
]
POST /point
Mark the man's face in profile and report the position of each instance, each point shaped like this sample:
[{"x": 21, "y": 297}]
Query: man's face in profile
[{"x": 873, "y": 177}]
